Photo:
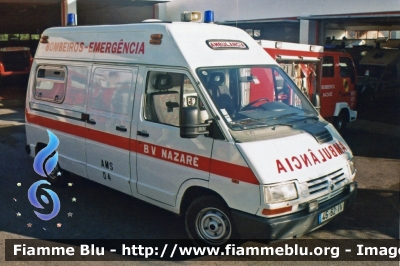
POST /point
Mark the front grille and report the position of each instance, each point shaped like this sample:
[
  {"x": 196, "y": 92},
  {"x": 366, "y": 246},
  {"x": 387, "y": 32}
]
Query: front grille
[{"x": 332, "y": 184}]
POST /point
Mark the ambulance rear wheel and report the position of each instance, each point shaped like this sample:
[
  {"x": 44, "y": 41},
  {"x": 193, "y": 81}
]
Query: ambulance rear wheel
[
  {"x": 56, "y": 176},
  {"x": 209, "y": 222}
]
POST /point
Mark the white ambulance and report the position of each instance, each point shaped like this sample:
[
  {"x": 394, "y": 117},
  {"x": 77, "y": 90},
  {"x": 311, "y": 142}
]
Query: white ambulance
[{"x": 194, "y": 118}]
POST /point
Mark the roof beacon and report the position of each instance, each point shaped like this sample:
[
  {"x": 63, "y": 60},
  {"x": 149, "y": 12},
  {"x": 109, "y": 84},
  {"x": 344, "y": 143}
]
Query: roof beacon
[
  {"x": 191, "y": 16},
  {"x": 71, "y": 19},
  {"x": 209, "y": 16}
]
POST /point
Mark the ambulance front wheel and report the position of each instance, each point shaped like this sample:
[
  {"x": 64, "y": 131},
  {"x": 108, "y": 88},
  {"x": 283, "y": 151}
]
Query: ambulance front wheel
[{"x": 209, "y": 222}]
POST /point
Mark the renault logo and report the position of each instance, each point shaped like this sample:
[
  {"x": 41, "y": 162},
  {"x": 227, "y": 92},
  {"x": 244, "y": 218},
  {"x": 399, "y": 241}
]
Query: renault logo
[{"x": 332, "y": 186}]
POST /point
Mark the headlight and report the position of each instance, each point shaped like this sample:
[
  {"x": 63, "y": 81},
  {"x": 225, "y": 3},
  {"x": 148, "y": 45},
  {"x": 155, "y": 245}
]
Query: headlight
[
  {"x": 280, "y": 193},
  {"x": 352, "y": 165}
]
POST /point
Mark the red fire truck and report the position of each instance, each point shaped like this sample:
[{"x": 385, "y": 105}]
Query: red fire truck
[
  {"x": 328, "y": 78},
  {"x": 15, "y": 61}
]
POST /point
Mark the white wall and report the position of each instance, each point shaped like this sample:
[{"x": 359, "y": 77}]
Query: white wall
[
  {"x": 97, "y": 14},
  {"x": 231, "y": 10}
]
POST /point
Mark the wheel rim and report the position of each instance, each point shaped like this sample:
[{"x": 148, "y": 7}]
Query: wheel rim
[{"x": 213, "y": 226}]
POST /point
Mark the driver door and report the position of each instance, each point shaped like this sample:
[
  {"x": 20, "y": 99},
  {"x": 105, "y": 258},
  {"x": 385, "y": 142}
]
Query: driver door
[{"x": 165, "y": 160}]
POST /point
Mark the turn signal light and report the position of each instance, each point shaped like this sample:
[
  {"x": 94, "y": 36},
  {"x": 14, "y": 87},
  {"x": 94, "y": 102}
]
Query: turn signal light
[
  {"x": 44, "y": 39},
  {"x": 276, "y": 211}
]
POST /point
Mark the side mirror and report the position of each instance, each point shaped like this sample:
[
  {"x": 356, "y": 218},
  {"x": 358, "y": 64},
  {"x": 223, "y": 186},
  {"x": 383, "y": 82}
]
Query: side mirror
[
  {"x": 316, "y": 102},
  {"x": 189, "y": 127}
]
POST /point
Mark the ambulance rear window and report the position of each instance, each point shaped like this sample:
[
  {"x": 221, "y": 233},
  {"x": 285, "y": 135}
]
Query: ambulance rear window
[{"x": 50, "y": 84}]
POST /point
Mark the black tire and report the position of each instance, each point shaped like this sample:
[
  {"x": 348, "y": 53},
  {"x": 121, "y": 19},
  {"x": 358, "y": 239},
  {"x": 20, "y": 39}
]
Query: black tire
[
  {"x": 340, "y": 122},
  {"x": 56, "y": 177},
  {"x": 208, "y": 221}
]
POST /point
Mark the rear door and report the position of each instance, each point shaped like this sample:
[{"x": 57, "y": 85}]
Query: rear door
[
  {"x": 57, "y": 101},
  {"x": 108, "y": 125}
]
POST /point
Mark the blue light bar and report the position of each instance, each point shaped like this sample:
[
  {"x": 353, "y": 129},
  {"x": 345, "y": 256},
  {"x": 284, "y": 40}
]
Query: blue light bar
[
  {"x": 71, "y": 21},
  {"x": 209, "y": 16}
]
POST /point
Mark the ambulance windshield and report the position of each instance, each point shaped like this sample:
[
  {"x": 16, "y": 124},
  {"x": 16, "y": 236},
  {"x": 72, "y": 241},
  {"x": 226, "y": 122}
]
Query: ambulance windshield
[{"x": 252, "y": 97}]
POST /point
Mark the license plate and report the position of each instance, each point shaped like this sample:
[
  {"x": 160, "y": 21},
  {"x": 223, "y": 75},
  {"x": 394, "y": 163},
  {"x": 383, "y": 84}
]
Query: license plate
[{"x": 326, "y": 215}]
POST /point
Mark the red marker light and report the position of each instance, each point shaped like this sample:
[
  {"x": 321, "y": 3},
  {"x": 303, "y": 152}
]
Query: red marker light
[
  {"x": 156, "y": 38},
  {"x": 276, "y": 211},
  {"x": 44, "y": 39}
]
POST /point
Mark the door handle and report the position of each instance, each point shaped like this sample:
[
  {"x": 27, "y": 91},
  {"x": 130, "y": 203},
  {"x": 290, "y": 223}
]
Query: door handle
[
  {"x": 91, "y": 121},
  {"x": 143, "y": 133},
  {"x": 121, "y": 128},
  {"x": 86, "y": 118}
]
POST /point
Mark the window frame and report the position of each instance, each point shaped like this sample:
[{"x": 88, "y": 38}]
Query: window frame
[
  {"x": 349, "y": 68},
  {"x": 69, "y": 85},
  {"x": 200, "y": 96},
  {"x": 333, "y": 66},
  {"x": 109, "y": 69},
  {"x": 64, "y": 82}
]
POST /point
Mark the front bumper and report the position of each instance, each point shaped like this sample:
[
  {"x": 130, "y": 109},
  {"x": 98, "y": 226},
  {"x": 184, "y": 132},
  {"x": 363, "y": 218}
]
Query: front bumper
[{"x": 287, "y": 226}]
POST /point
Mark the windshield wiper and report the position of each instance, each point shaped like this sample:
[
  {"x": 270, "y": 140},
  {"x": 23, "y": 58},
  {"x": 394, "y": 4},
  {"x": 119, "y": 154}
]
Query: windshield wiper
[
  {"x": 283, "y": 116},
  {"x": 297, "y": 114},
  {"x": 280, "y": 124},
  {"x": 249, "y": 122},
  {"x": 256, "y": 123}
]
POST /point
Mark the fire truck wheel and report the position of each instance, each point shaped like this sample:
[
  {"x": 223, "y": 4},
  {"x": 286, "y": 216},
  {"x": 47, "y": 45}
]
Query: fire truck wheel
[
  {"x": 208, "y": 222},
  {"x": 340, "y": 122}
]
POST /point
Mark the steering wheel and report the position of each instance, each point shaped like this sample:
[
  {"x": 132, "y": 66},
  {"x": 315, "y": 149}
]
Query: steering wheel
[{"x": 249, "y": 105}]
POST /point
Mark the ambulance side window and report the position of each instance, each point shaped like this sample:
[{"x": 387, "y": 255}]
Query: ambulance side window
[
  {"x": 50, "y": 84},
  {"x": 166, "y": 93},
  {"x": 76, "y": 86},
  {"x": 110, "y": 90}
]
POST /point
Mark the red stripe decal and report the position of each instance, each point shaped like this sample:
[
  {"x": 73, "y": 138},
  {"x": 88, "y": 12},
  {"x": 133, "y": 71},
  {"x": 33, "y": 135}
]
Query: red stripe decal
[
  {"x": 109, "y": 139},
  {"x": 234, "y": 171},
  {"x": 229, "y": 170},
  {"x": 56, "y": 125}
]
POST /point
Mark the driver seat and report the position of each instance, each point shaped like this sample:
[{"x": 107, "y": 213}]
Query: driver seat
[{"x": 220, "y": 92}]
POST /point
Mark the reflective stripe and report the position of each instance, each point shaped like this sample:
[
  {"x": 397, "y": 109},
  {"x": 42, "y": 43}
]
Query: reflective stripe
[{"x": 225, "y": 169}]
